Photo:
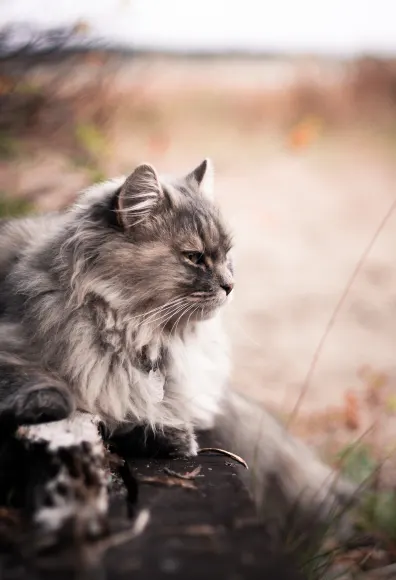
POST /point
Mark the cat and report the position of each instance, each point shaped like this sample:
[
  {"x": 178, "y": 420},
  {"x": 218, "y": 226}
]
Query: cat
[{"x": 113, "y": 307}]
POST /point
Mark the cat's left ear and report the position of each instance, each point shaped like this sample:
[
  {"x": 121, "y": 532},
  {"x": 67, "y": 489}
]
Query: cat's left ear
[
  {"x": 203, "y": 175},
  {"x": 139, "y": 195}
]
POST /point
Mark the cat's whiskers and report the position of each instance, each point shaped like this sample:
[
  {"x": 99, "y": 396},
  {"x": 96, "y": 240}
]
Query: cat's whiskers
[
  {"x": 158, "y": 309},
  {"x": 191, "y": 313},
  {"x": 163, "y": 311},
  {"x": 181, "y": 315},
  {"x": 163, "y": 324},
  {"x": 168, "y": 315}
]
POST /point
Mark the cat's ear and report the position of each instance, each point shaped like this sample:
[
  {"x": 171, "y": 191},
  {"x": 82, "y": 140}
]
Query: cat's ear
[
  {"x": 203, "y": 175},
  {"x": 139, "y": 195}
]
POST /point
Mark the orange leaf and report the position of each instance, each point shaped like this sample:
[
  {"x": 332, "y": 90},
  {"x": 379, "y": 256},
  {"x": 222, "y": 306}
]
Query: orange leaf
[
  {"x": 375, "y": 383},
  {"x": 351, "y": 411},
  {"x": 378, "y": 381},
  {"x": 6, "y": 85},
  {"x": 304, "y": 133}
]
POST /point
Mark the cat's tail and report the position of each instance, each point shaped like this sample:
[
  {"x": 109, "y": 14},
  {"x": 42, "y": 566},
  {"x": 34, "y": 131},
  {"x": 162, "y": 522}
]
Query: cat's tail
[{"x": 284, "y": 476}]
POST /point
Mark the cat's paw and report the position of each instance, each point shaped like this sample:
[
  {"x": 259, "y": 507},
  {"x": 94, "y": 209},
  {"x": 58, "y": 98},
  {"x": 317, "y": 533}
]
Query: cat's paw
[
  {"x": 163, "y": 442},
  {"x": 183, "y": 444}
]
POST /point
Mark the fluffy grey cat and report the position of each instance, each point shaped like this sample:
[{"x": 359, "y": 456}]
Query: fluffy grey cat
[{"x": 113, "y": 307}]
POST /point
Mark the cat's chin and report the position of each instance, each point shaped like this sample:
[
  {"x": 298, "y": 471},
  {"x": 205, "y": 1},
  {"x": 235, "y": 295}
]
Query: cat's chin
[
  {"x": 205, "y": 314},
  {"x": 208, "y": 310}
]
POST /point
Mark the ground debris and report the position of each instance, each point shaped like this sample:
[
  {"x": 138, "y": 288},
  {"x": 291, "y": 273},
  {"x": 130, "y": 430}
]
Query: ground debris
[
  {"x": 242, "y": 523},
  {"x": 123, "y": 536},
  {"x": 364, "y": 557},
  {"x": 201, "y": 530},
  {"x": 9, "y": 515},
  {"x": 385, "y": 573},
  {"x": 167, "y": 481},
  {"x": 114, "y": 461},
  {"x": 186, "y": 476}
]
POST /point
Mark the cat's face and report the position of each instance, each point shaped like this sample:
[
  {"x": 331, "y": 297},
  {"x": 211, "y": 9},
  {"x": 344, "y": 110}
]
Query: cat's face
[{"x": 175, "y": 254}]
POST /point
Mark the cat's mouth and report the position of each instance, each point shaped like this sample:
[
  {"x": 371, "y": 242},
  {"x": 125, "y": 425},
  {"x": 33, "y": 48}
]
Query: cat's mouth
[
  {"x": 196, "y": 307},
  {"x": 208, "y": 304}
]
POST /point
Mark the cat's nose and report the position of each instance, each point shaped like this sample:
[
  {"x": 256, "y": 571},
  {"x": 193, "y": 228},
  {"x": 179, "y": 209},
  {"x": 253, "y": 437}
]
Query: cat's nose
[{"x": 227, "y": 287}]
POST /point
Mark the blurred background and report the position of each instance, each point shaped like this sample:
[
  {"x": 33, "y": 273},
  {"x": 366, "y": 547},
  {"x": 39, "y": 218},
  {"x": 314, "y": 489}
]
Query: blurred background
[{"x": 296, "y": 104}]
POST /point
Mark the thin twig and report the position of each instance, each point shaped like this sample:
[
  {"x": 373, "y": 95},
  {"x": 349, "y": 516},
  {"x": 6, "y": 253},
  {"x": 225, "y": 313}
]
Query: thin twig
[
  {"x": 224, "y": 452},
  {"x": 188, "y": 476},
  {"x": 119, "y": 538},
  {"x": 333, "y": 317}
]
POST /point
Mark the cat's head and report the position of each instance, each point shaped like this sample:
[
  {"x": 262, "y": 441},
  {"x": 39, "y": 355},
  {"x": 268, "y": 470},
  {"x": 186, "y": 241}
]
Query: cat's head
[{"x": 163, "y": 245}]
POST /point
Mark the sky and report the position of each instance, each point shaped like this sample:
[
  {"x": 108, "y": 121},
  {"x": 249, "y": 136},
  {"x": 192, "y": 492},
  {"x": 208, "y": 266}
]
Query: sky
[{"x": 344, "y": 27}]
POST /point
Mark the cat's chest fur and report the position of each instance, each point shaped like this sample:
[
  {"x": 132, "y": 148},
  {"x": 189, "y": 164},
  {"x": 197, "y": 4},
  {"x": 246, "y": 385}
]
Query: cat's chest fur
[{"x": 133, "y": 374}]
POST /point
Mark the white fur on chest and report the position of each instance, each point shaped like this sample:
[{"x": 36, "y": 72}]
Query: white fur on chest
[
  {"x": 199, "y": 371},
  {"x": 195, "y": 375}
]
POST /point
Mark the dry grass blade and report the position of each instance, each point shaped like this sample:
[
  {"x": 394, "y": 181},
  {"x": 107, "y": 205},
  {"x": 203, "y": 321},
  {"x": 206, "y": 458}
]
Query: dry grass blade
[
  {"x": 385, "y": 573},
  {"x": 224, "y": 452},
  {"x": 167, "y": 481},
  {"x": 333, "y": 317},
  {"x": 201, "y": 530},
  {"x": 124, "y": 536},
  {"x": 186, "y": 476},
  {"x": 9, "y": 515},
  {"x": 114, "y": 461}
]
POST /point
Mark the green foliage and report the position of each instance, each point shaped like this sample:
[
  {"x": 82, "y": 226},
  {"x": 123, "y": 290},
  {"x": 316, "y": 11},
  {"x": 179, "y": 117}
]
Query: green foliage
[
  {"x": 92, "y": 144},
  {"x": 357, "y": 463},
  {"x": 91, "y": 139},
  {"x": 13, "y": 206},
  {"x": 8, "y": 147},
  {"x": 378, "y": 514},
  {"x": 96, "y": 175}
]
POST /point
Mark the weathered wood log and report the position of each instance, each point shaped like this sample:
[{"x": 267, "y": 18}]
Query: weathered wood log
[
  {"x": 202, "y": 523},
  {"x": 55, "y": 473}
]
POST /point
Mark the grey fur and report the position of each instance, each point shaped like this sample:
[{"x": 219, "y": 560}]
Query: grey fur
[{"x": 112, "y": 307}]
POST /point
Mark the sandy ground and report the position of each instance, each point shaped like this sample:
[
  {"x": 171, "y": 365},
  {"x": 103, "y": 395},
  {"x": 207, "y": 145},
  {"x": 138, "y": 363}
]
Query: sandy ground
[{"x": 302, "y": 222}]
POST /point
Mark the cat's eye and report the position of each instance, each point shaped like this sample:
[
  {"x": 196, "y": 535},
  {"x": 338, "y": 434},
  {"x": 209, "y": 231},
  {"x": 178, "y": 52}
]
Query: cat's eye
[{"x": 196, "y": 258}]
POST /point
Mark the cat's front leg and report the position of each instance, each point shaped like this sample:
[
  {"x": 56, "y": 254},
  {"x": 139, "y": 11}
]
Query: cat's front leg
[
  {"x": 30, "y": 395},
  {"x": 163, "y": 441}
]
